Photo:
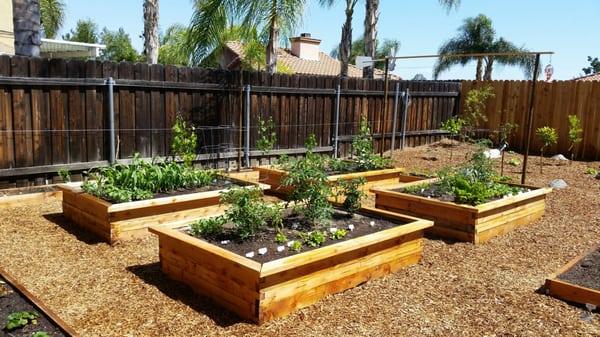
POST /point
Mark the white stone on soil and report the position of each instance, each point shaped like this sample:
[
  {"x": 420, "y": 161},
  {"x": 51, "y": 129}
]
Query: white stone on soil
[
  {"x": 372, "y": 223},
  {"x": 351, "y": 227},
  {"x": 250, "y": 254},
  {"x": 280, "y": 248},
  {"x": 262, "y": 251},
  {"x": 225, "y": 242},
  {"x": 290, "y": 243}
]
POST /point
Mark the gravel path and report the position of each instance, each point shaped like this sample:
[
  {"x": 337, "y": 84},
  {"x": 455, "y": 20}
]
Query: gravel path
[{"x": 457, "y": 290}]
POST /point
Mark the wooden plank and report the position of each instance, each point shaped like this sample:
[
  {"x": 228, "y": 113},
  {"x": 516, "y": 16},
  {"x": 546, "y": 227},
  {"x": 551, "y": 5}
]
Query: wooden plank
[
  {"x": 40, "y": 110},
  {"x": 143, "y": 115},
  {"x": 171, "y": 105},
  {"x": 127, "y": 111},
  {"x": 157, "y": 113},
  {"x": 21, "y": 107},
  {"x": 76, "y": 115},
  {"x": 29, "y": 199}
]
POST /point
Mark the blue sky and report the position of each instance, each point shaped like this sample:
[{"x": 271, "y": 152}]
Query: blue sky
[{"x": 569, "y": 28}]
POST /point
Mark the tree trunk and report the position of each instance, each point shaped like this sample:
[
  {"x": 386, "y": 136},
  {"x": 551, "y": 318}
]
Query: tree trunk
[
  {"x": 26, "y": 21},
  {"x": 370, "y": 37},
  {"x": 489, "y": 65},
  {"x": 479, "y": 69},
  {"x": 273, "y": 44},
  {"x": 346, "y": 42},
  {"x": 151, "y": 43}
]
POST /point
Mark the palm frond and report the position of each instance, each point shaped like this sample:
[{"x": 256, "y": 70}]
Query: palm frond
[{"x": 52, "y": 13}]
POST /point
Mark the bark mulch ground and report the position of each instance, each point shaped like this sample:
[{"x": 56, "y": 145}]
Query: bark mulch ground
[{"x": 456, "y": 290}]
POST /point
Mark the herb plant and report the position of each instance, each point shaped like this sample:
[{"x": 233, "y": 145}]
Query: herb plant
[
  {"x": 267, "y": 137},
  {"x": 313, "y": 239},
  {"x": 65, "y": 175},
  {"x": 280, "y": 237},
  {"x": 296, "y": 246},
  {"x": 575, "y": 133},
  {"x": 339, "y": 234},
  {"x": 548, "y": 136},
  {"x": 20, "y": 319},
  {"x": 184, "y": 140}
]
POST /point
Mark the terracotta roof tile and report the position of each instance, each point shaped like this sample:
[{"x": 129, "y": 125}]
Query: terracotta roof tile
[{"x": 591, "y": 77}]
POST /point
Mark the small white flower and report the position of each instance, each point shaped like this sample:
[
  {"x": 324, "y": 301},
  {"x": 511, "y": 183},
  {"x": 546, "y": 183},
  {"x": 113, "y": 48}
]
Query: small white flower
[
  {"x": 262, "y": 251},
  {"x": 351, "y": 227},
  {"x": 290, "y": 243},
  {"x": 250, "y": 255},
  {"x": 280, "y": 248}
]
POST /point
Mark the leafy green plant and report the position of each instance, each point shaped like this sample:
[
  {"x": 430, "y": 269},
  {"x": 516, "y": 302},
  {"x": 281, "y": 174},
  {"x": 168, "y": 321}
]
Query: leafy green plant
[
  {"x": 575, "y": 133},
  {"x": 313, "y": 239},
  {"x": 514, "y": 162},
  {"x": 591, "y": 171},
  {"x": 280, "y": 237},
  {"x": 548, "y": 136},
  {"x": 339, "y": 234},
  {"x": 65, "y": 175},
  {"x": 351, "y": 189},
  {"x": 209, "y": 228},
  {"x": 474, "y": 108},
  {"x": 364, "y": 158},
  {"x": 296, "y": 246},
  {"x": 20, "y": 319},
  {"x": 184, "y": 140},
  {"x": 453, "y": 126},
  {"x": 267, "y": 137},
  {"x": 40, "y": 334}
]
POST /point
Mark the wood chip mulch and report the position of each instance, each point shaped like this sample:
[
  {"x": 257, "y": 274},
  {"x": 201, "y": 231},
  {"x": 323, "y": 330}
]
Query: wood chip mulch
[{"x": 456, "y": 290}]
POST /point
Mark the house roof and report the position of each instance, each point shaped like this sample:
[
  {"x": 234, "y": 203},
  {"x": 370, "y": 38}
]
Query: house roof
[
  {"x": 326, "y": 65},
  {"x": 65, "y": 49},
  {"x": 591, "y": 77}
]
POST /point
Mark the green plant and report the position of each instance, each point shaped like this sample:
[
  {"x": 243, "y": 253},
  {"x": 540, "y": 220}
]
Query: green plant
[
  {"x": 267, "y": 137},
  {"x": 209, "y": 227},
  {"x": 575, "y": 133},
  {"x": 591, "y": 171},
  {"x": 351, "y": 189},
  {"x": 504, "y": 134},
  {"x": 65, "y": 175},
  {"x": 20, "y": 319},
  {"x": 313, "y": 239},
  {"x": 339, "y": 234},
  {"x": 474, "y": 108},
  {"x": 296, "y": 246},
  {"x": 364, "y": 158},
  {"x": 339, "y": 165},
  {"x": 280, "y": 237},
  {"x": 514, "y": 162},
  {"x": 41, "y": 334},
  {"x": 548, "y": 136},
  {"x": 453, "y": 126},
  {"x": 184, "y": 140}
]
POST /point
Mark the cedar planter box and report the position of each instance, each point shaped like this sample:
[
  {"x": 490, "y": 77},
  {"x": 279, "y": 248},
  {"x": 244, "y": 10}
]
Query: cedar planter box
[
  {"x": 260, "y": 292},
  {"x": 274, "y": 177},
  {"x": 569, "y": 291},
  {"x": 475, "y": 224},
  {"x": 115, "y": 222},
  {"x": 22, "y": 196}
]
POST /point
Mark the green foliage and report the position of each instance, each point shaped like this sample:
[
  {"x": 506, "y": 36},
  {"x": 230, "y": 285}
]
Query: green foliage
[
  {"x": 594, "y": 66},
  {"x": 173, "y": 46},
  {"x": 389, "y": 47},
  {"x": 474, "y": 109},
  {"x": 209, "y": 228},
  {"x": 314, "y": 238},
  {"x": 453, "y": 126},
  {"x": 547, "y": 135},
  {"x": 85, "y": 31},
  {"x": 267, "y": 137},
  {"x": 362, "y": 148},
  {"x": 339, "y": 165},
  {"x": 575, "y": 133},
  {"x": 184, "y": 140},
  {"x": 296, "y": 246},
  {"x": 354, "y": 195},
  {"x": 506, "y": 130},
  {"x": 41, "y": 334},
  {"x": 118, "y": 46},
  {"x": 140, "y": 180},
  {"x": 591, "y": 171},
  {"x": 416, "y": 189},
  {"x": 65, "y": 175},
  {"x": 52, "y": 17},
  {"x": 514, "y": 162},
  {"x": 20, "y": 319},
  {"x": 339, "y": 234},
  {"x": 280, "y": 237}
]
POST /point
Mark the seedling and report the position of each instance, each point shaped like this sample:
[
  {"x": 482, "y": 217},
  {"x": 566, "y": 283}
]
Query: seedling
[
  {"x": 313, "y": 239},
  {"x": 280, "y": 237},
  {"x": 575, "y": 134},
  {"x": 514, "y": 162},
  {"x": 591, "y": 171},
  {"x": 296, "y": 246},
  {"x": 548, "y": 136},
  {"x": 20, "y": 319},
  {"x": 339, "y": 234},
  {"x": 40, "y": 334}
]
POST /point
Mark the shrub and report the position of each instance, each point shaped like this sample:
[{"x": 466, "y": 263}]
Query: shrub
[
  {"x": 548, "y": 136},
  {"x": 351, "y": 189},
  {"x": 267, "y": 137},
  {"x": 453, "y": 126},
  {"x": 474, "y": 108},
  {"x": 184, "y": 140},
  {"x": 575, "y": 133},
  {"x": 362, "y": 149}
]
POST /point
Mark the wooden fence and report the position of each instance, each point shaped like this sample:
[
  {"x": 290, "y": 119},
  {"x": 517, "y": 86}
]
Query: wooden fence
[
  {"x": 554, "y": 101},
  {"x": 54, "y": 113}
]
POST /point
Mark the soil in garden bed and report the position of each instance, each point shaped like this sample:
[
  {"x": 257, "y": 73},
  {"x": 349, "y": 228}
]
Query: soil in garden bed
[
  {"x": 294, "y": 225},
  {"x": 218, "y": 184},
  {"x": 26, "y": 190},
  {"x": 432, "y": 191},
  {"x": 11, "y": 301},
  {"x": 586, "y": 272}
]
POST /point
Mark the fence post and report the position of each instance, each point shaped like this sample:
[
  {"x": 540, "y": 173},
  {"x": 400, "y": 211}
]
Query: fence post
[
  {"x": 111, "y": 120},
  {"x": 337, "y": 121},
  {"x": 247, "y": 126},
  {"x": 405, "y": 99},
  {"x": 395, "y": 119}
]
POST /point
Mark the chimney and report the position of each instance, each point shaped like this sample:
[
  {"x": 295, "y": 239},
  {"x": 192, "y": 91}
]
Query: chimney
[{"x": 305, "y": 47}]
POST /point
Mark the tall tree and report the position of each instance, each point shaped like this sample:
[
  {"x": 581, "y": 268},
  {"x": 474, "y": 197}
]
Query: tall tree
[
  {"x": 26, "y": 22},
  {"x": 151, "y": 39},
  {"x": 345, "y": 47},
  {"x": 389, "y": 47},
  {"x": 173, "y": 48},
  {"x": 477, "y": 35},
  {"x": 594, "y": 66},
  {"x": 118, "y": 46},
  {"x": 85, "y": 31},
  {"x": 52, "y": 17}
]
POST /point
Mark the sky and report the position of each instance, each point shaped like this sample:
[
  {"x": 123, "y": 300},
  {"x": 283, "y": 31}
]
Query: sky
[{"x": 568, "y": 28}]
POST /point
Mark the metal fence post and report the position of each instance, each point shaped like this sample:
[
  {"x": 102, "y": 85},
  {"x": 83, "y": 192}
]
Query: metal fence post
[
  {"x": 337, "y": 121},
  {"x": 247, "y": 126},
  {"x": 395, "y": 119},
  {"x": 111, "y": 120},
  {"x": 406, "y": 97}
]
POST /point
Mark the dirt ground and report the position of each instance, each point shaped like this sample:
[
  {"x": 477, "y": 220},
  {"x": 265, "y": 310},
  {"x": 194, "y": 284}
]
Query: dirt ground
[{"x": 456, "y": 290}]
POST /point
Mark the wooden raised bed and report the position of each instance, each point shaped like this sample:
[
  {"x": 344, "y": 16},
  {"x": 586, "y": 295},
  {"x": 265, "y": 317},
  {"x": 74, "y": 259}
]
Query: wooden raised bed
[
  {"x": 273, "y": 177},
  {"x": 261, "y": 292},
  {"x": 14, "y": 199},
  {"x": 115, "y": 222},
  {"x": 571, "y": 292},
  {"x": 475, "y": 224}
]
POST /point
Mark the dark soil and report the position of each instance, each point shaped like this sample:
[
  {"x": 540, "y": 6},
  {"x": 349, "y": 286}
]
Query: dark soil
[
  {"x": 218, "y": 184},
  {"x": 11, "y": 301},
  {"x": 26, "y": 190},
  {"x": 294, "y": 225},
  {"x": 432, "y": 191},
  {"x": 586, "y": 272}
]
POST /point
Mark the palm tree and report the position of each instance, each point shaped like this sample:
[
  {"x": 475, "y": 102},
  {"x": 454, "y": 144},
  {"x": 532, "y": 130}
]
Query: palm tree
[
  {"x": 389, "y": 47},
  {"x": 370, "y": 33},
  {"x": 477, "y": 35},
  {"x": 52, "y": 16},
  {"x": 344, "y": 50},
  {"x": 26, "y": 22},
  {"x": 173, "y": 48},
  {"x": 151, "y": 41}
]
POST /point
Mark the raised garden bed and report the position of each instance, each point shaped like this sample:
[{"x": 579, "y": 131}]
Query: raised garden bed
[
  {"x": 475, "y": 224},
  {"x": 579, "y": 280},
  {"x": 273, "y": 176},
  {"x": 260, "y": 289},
  {"x": 22, "y": 196},
  {"x": 118, "y": 221}
]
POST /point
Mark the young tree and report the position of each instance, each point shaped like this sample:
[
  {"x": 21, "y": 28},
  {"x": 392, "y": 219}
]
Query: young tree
[
  {"x": 26, "y": 22},
  {"x": 85, "y": 31},
  {"x": 474, "y": 108},
  {"x": 151, "y": 41},
  {"x": 453, "y": 126},
  {"x": 548, "y": 136},
  {"x": 575, "y": 133},
  {"x": 52, "y": 17},
  {"x": 118, "y": 46},
  {"x": 173, "y": 47}
]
